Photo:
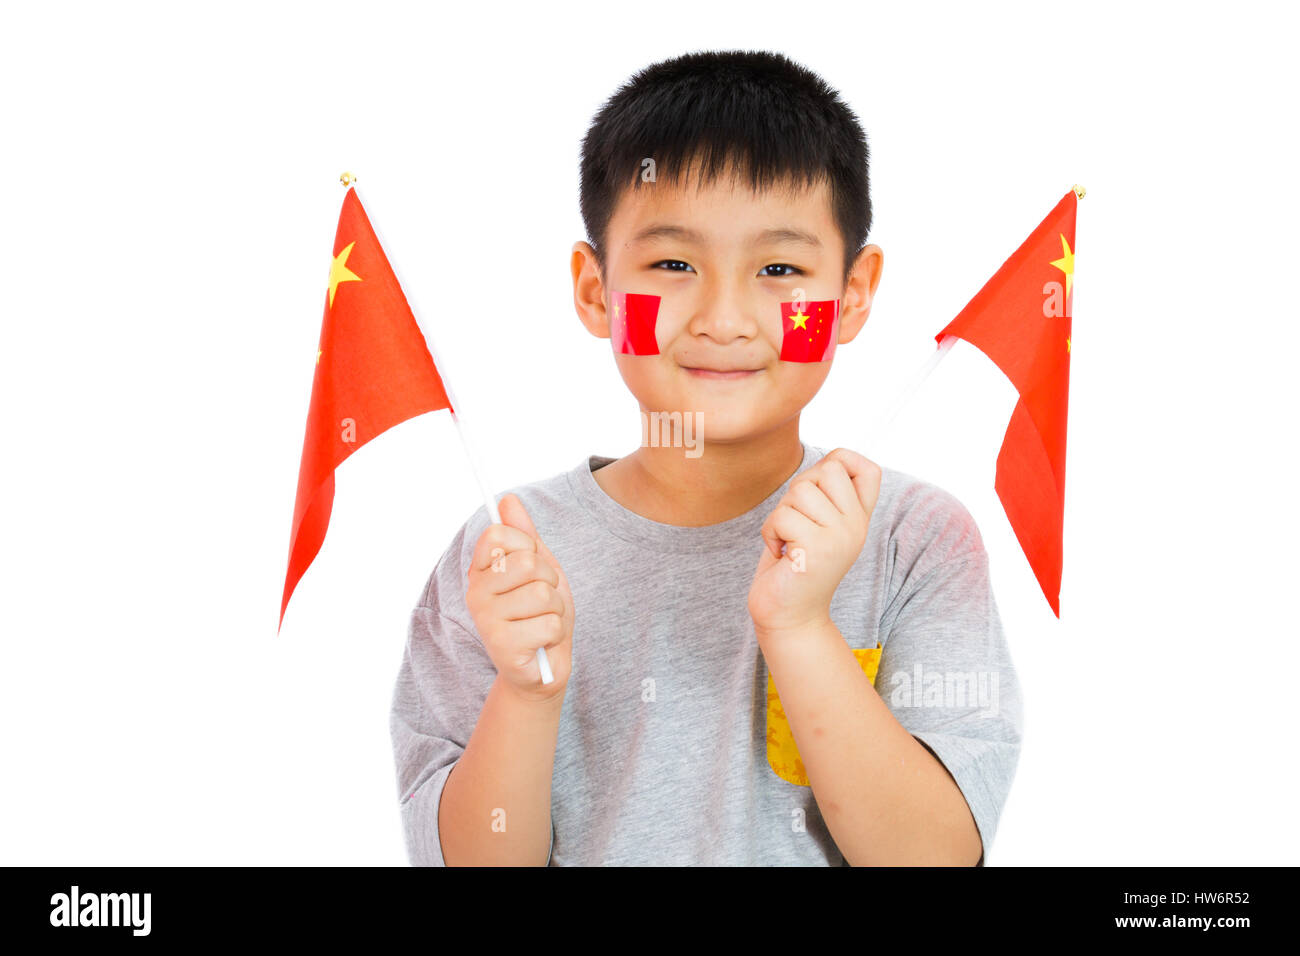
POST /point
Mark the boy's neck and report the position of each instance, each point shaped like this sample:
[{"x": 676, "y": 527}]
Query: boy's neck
[{"x": 723, "y": 482}]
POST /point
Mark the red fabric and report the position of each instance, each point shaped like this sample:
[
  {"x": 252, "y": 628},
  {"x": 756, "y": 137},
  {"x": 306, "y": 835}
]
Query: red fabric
[
  {"x": 632, "y": 326},
  {"x": 1021, "y": 320},
  {"x": 373, "y": 371},
  {"x": 810, "y": 334}
]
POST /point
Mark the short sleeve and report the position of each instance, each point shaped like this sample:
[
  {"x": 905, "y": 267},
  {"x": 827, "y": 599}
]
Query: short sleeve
[
  {"x": 947, "y": 676},
  {"x": 443, "y": 681}
]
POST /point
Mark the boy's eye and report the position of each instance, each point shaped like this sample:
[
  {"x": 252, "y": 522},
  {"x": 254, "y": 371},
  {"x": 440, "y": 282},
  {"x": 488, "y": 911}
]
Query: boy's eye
[
  {"x": 793, "y": 271},
  {"x": 676, "y": 265}
]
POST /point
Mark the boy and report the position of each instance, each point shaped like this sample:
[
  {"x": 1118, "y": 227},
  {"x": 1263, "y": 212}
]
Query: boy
[{"x": 762, "y": 653}]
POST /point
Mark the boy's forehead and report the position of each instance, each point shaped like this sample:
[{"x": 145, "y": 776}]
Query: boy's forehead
[{"x": 723, "y": 212}]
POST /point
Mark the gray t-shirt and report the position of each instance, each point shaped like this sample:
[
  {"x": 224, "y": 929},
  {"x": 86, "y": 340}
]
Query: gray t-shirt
[{"x": 672, "y": 746}]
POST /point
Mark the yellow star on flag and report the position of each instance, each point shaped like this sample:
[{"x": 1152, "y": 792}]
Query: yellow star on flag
[
  {"x": 1067, "y": 345},
  {"x": 1066, "y": 264},
  {"x": 339, "y": 271},
  {"x": 800, "y": 321},
  {"x": 319, "y": 353}
]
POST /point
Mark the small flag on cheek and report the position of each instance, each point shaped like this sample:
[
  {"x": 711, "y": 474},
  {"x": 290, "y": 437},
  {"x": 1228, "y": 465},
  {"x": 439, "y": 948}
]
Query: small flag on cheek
[
  {"x": 632, "y": 323},
  {"x": 809, "y": 333}
]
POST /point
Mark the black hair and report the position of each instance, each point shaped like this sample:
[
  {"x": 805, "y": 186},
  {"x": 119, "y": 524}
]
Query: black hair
[{"x": 755, "y": 114}]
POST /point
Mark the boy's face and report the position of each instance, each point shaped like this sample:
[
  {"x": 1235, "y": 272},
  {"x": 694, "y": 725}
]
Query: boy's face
[{"x": 722, "y": 260}]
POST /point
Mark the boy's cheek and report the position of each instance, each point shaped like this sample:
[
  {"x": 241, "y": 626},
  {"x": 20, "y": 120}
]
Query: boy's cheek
[{"x": 799, "y": 382}]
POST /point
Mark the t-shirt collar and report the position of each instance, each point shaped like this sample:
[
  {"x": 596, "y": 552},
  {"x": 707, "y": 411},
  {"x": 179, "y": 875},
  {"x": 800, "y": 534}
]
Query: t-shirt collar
[{"x": 740, "y": 531}]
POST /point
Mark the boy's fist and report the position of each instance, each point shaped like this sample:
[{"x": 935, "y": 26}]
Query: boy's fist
[
  {"x": 520, "y": 601},
  {"x": 822, "y": 523}
]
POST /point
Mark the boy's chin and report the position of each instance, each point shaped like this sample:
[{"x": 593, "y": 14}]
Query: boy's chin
[{"x": 724, "y": 424}]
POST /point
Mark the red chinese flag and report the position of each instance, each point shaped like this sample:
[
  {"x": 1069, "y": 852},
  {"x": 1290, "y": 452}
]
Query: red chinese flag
[
  {"x": 632, "y": 326},
  {"x": 809, "y": 333},
  {"x": 1021, "y": 320},
  {"x": 373, "y": 371}
]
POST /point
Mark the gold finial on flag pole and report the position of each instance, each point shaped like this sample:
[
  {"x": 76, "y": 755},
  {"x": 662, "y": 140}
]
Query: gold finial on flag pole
[
  {"x": 347, "y": 179},
  {"x": 1079, "y": 190}
]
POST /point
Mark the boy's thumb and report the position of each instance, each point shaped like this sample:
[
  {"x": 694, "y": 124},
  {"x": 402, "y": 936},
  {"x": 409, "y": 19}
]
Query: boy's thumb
[{"x": 514, "y": 515}]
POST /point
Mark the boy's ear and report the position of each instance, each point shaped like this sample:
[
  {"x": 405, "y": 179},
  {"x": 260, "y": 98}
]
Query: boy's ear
[
  {"x": 589, "y": 290},
  {"x": 860, "y": 291}
]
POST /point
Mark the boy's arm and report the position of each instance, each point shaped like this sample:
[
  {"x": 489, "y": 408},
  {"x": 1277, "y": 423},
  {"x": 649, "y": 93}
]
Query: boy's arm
[
  {"x": 920, "y": 779},
  {"x": 447, "y": 710},
  {"x": 496, "y": 803},
  {"x": 885, "y": 799}
]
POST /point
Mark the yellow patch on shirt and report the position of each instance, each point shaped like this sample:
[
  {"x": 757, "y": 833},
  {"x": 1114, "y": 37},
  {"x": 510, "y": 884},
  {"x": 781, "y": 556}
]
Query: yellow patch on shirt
[{"x": 782, "y": 754}]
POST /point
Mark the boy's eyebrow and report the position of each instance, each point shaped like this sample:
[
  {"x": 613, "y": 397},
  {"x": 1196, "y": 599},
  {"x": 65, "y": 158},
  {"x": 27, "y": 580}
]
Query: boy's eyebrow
[
  {"x": 788, "y": 234},
  {"x": 780, "y": 234}
]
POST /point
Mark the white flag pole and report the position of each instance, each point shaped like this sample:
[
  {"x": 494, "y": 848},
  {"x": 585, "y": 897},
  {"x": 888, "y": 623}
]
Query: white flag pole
[
  {"x": 489, "y": 499},
  {"x": 877, "y": 431}
]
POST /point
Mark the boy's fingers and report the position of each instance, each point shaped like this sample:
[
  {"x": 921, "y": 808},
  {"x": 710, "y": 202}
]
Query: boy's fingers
[
  {"x": 808, "y": 497},
  {"x": 784, "y": 525},
  {"x": 544, "y": 630},
  {"x": 864, "y": 472},
  {"x": 501, "y": 536},
  {"x": 530, "y": 599},
  {"x": 520, "y": 567},
  {"x": 514, "y": 514},
  {"x": 835, "y": 483}
]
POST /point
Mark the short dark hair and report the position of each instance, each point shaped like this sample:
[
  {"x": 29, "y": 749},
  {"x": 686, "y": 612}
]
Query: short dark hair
[{"x": 753, "y": 113}]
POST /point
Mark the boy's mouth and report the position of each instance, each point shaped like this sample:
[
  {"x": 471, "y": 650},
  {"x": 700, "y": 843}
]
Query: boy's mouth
[{"x": 724, "y": 374}]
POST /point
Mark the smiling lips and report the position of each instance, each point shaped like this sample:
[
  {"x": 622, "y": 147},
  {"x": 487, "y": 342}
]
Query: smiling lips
[{"x": 723, "y": 374}]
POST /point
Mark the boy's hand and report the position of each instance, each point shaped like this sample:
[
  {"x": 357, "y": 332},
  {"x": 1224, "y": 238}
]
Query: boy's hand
[
  {"x": 822, "y": 520},
  {"x": 520, "y": 601}
]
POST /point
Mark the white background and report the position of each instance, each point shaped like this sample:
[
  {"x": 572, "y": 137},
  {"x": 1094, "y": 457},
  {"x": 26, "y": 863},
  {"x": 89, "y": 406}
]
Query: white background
[{"x": 171, "y": 203}]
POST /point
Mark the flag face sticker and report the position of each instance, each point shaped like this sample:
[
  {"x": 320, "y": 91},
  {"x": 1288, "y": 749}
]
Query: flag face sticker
[
  {"x": 1021, "y": 320},
  {"x": 632, "y": 324},
  {"x": 373, "y": 370},
  {"x": 809, "y": 333}
]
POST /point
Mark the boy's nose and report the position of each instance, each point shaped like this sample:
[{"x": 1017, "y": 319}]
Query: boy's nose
[{"x": 724, "y": 316}]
